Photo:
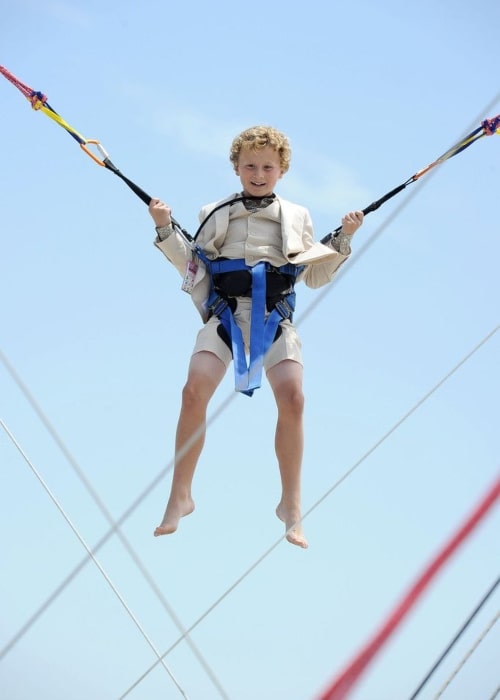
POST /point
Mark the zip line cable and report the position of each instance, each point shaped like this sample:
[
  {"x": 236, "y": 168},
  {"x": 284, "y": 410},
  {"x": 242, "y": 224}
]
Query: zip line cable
[
  {"x": 347, "y": 474},
  {"x": 107, "y": 515},
  {"x": 457, "y": 636},
  {"x": 467, "y": 656},
  {"x": 91, "y": 555}
]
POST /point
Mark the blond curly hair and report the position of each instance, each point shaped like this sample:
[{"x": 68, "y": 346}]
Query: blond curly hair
[{"x": 257, "y": 137}]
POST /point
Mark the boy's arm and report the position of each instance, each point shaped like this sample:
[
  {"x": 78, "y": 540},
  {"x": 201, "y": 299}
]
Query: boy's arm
[
  {"x": 322, "y": 273},
  {"x": 171, "y": 243},
  {"x": 341, "y": 243},
  {"x": 350, "y": 224},
  {"x": 174, "y": 246},
  {"x": 163, "y": 232}
]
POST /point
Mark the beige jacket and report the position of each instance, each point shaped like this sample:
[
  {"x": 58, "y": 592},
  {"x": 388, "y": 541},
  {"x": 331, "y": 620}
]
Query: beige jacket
[{"x": 321, "y": 261}]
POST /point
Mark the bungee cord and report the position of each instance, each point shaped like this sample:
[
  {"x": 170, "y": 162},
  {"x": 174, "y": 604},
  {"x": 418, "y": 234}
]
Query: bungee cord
[
  {"x": 488, "y": 128},
  {"x": 92, "y": 556},
  {"x": 457, "y": 636},
  {"x": 39, "y": 102},
  {"x": 115, "y": 528},
  {"x": 370, "y": 241}
]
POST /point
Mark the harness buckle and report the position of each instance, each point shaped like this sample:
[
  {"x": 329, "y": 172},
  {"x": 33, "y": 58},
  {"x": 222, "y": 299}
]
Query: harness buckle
[
  {"x": 283, "y": 308},
  {"x": 218, "y": 306}
]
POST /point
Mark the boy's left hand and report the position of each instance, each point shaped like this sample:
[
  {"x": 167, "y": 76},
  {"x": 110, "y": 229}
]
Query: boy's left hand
[
  {"x": 351, "y": 222},
  {"x": 160, "y": 212}
]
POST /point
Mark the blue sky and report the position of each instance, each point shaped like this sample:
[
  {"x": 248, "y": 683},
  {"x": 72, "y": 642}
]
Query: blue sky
[{"x": 95, "y": 328}]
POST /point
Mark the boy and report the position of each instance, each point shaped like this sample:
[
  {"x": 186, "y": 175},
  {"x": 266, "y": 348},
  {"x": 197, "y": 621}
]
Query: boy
[{"x": 252, "y": 228}]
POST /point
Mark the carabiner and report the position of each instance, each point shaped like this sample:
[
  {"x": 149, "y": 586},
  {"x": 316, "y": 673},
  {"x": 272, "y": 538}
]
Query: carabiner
[{"x": 101, "y": 150}]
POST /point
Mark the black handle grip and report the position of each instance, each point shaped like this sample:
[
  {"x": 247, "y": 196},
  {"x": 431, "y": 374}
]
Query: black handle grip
[{"x": 371, "y": 207}]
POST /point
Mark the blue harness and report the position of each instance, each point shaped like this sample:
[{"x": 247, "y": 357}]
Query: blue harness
[{"x": 262, "y": 330}]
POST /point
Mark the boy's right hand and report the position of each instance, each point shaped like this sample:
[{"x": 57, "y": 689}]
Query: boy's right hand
[{"x": 160, "y": 212}]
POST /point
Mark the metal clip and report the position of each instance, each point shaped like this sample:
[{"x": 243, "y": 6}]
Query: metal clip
[
  {"x": 283, "y": 308},
  {"x": 218, "y": 306}
]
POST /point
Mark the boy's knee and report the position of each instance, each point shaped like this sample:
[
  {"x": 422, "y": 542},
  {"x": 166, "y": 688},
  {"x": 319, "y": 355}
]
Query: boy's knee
[
  {"x": 197, "y": 390},
  {"x": 291, "y": 401},
  {"x": 191, "y": 394},
  {"x": 188, "y": 395},
  {"x": 297, "y": 401}
]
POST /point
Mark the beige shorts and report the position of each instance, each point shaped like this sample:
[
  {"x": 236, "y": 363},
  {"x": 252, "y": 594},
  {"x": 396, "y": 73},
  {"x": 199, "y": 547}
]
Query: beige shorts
[{"x": 287, "y": 347}]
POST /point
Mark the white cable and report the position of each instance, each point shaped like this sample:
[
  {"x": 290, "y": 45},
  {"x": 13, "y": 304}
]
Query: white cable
[
  {"x": 495, "y": 694},
  {"x": 467, "y": 656},
  {"x": 115, "y": 527},
  {"x": 320, "y": 500},
  {"x": 96, "y": 562}
]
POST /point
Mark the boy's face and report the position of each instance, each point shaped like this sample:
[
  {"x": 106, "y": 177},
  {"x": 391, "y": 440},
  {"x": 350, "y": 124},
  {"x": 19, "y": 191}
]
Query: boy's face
[{"x": 259, "y": 171}]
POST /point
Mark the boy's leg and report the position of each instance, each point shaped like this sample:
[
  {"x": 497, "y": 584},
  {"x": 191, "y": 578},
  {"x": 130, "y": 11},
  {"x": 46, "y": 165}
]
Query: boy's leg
[
  {"x": 205, "y": 374},
  {"x": 285, "y": 379}
]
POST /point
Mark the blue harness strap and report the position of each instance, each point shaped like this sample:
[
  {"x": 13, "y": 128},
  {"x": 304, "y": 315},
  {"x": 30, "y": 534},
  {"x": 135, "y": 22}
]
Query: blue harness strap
[{"x": 248, "y": 377}]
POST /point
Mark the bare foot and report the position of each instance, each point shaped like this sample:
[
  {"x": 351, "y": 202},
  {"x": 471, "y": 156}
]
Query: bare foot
[
  {"x": 176, "y": 509},
  {"x": 293, "y": 525}
]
